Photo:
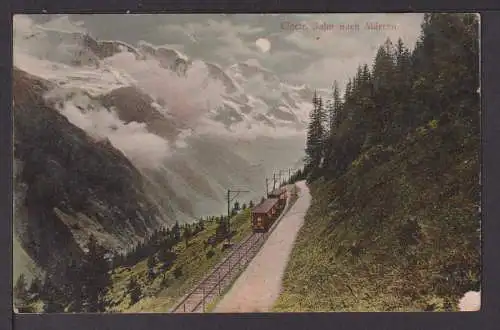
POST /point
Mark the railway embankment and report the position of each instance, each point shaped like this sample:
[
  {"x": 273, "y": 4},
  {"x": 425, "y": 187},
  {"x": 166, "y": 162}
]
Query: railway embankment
[
  {"x": 259, "y": 285},
  {"x": 206, "y": 294}
]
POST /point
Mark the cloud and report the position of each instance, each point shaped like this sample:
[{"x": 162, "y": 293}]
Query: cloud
[
  {"x": 315, "y": 58},
  {"x": 186, "y": 97},
  {"x": 225, "y": 39},
  {"x": 255, "y": 86},
  {"x": 53, "y": 40},
  {"x": 63, "y": 23},
  {"x": 221, "y": 31},
  {"x": 22, "y": 24},
  {"x": 227, "y": 27},
  {"x": 144, "y": 149},
  {"x": 247, "y": 131},
  {"x": 233, "y": 39},
  {"x": 335, "y": 53},
  {"x": 333, "y": 39},
  {"x": 335, "y": 68}
]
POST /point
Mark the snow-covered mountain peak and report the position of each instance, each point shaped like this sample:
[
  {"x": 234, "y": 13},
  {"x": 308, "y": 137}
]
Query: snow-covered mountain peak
[
  {"x": 250, "y": 69},
  {"x": 194, "y": 92}
]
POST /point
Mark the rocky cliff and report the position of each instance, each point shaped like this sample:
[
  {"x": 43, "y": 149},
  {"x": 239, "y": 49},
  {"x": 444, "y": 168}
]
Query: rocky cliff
[{"x": 72, "y": 185}]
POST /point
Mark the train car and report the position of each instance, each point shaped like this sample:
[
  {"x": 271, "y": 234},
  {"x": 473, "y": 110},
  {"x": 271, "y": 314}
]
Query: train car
[
  {"x": 280, "y": 194},
  {"x": 264, "y": 214}
]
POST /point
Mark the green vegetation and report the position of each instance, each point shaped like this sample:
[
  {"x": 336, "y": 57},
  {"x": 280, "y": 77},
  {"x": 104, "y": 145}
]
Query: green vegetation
[
  {"x": 210, "y": 307},
  {"x": 160, "y": 292},
  {"x": 151, "y": 277},
  {"x": 394, "y": 223},
  {"x": 72, "y": 186},
  {"x": 85, "y": 288}
]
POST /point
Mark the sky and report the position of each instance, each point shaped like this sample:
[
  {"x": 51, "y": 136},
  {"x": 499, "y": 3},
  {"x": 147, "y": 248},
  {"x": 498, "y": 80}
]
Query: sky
[{"x": 303, "y": 51}]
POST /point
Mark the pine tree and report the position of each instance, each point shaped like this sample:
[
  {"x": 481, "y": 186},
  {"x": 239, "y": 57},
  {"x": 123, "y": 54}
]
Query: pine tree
[
  {"x": 221, "y": 231},
  {"x": 178, "y": 272},
  {"x": 95, "y": 277},
  {"x": 74, "y": 285},
  {"x": 316, "y": 136},
  {"x": 134, "y": 290},
  {"x": 35, "y": 287},
  {"x": 176, "y": 232},
  {"x": 53, "y": 295},
  {"x": 187, "y": 235},
  {"x": 337, "y": 106},
  {"x": 383, "y": 92},
  {"x": 334, "y": 108},
  {"x": 404, "y": 90},
  {"x": 151, "y": 263},
  {"x": 439, "y": 84},
  {"x": 20, "y": 291}
]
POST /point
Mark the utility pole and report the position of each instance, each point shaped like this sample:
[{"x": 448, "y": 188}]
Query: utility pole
[
  {"x": 229, "y": 200},
  {"x": 289, "y": 174},
  {"x": 267, "y": 187},
  {"x": 274, "y": 181},
  {"x": 228, "y": 208}
]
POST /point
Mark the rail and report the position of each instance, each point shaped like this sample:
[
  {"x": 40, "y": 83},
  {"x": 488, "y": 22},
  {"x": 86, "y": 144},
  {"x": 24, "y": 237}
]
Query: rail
[
  {"x": 229, "y": 272},
  {"x": 240, "y": 256}
]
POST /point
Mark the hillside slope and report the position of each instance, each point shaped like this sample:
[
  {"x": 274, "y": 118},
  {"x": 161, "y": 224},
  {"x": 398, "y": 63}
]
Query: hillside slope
[
  {"x": 394, "y": 223},
  {"x": 70, "y": 185},
  {"x": 386, "y": 237}
]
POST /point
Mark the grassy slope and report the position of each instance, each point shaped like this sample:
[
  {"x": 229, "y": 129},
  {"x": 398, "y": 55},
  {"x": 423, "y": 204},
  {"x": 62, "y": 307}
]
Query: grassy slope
[
  {"x": 398, "y": 234},
  {"x": 160, "y": 297},
  {"x": 22, "y": 263}
]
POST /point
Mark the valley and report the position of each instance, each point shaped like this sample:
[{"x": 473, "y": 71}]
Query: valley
[
  {"x": 108, "y": 156},
  {"x": 143, "y": 169}
]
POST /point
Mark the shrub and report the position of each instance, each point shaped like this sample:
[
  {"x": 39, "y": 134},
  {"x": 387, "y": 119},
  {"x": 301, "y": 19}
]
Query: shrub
[{"x": 210, "y": 254}]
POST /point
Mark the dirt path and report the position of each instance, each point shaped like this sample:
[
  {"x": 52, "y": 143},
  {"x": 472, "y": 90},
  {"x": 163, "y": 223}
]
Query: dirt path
[{"x": 259, "y": 285}]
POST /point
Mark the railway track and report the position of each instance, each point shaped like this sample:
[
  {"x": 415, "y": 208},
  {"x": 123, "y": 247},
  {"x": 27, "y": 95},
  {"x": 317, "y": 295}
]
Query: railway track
[{"x": 214, "y": 284}]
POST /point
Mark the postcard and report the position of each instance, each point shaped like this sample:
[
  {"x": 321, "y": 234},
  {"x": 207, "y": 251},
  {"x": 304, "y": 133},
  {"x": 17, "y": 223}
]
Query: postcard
[{"x": 246, "y": 163}]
